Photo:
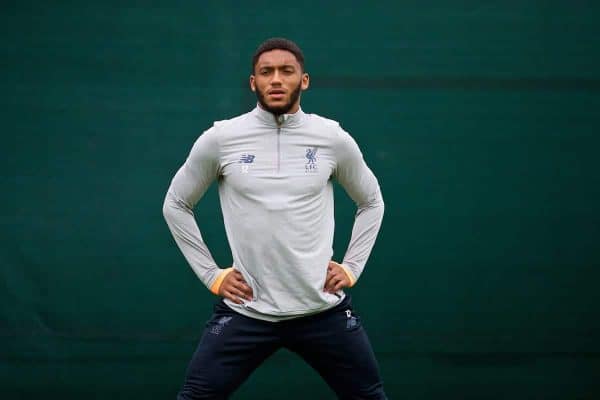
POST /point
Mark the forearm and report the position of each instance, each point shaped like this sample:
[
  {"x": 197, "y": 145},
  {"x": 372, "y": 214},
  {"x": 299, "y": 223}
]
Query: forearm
[
  {"x": 185, "y": 231},
  {"x": 364, "y": 233}
]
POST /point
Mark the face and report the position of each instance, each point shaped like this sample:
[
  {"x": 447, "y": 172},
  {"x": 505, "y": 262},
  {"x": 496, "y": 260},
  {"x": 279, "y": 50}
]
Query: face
[{"x": 277, "y": 81}]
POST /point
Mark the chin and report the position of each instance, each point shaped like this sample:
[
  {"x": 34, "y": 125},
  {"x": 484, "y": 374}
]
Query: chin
[
  {"x": 278, "y": 104},
  {"x": 278, "y": 108}
]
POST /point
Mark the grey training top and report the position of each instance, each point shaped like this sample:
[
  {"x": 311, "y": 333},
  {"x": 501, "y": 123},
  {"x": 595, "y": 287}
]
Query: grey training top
[{"x": 275, "y": 187}]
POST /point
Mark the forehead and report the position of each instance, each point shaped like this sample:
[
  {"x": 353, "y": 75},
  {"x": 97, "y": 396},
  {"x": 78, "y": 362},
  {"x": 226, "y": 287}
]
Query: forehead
[{"x": 277, "y": 57}]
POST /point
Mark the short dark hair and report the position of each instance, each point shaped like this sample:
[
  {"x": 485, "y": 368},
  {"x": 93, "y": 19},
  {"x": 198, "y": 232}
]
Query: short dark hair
[{"x": 280, "y": 44}]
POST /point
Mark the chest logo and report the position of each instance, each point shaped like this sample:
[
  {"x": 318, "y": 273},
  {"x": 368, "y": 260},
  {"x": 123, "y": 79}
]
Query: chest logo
[
  {"x": 246, "y": 159},
  {"x": 311, "y": 156}
]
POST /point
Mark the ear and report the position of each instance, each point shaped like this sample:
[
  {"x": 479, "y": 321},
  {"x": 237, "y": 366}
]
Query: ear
[
  {"x": 305, "y": 81},
  {"x": 252, "y": 83}
]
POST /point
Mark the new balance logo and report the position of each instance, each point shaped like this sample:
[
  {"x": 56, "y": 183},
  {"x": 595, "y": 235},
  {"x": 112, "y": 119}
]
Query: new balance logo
[{"x": 247, "y": 159}]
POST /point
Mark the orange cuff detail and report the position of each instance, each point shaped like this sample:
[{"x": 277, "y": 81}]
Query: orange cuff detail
[
  {"x": 349, "y": 274},
  {"x": 217, "y": 283}
]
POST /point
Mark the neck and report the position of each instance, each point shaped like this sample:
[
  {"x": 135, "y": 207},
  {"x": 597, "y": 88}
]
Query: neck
[
  {"x": 293, "y": 110},
  {"x": 292, "y": 117}
]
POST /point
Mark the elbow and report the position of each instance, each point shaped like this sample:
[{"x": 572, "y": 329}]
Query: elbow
[
  {"x": 172, "y": 207},
  {"x": 166, "y": 208},
  {"x": 380, "y": 206},
  {"x": 377, "y": 201},
  {"x": 169, "y": 207}
]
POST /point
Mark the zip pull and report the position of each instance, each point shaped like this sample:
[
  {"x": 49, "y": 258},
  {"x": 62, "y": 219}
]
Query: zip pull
[
  {"x": 280, "y": 119},
  {"x": 348, "y": 313}
]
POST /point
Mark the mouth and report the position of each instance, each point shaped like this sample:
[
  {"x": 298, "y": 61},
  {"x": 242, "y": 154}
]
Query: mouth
[{"x": 276, "y": 94}]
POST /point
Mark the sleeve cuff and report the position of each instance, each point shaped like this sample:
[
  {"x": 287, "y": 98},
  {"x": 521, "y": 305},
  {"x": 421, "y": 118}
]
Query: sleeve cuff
[
  {"x": 217, "y": 283},
  {"x": 349, "y": 274}
]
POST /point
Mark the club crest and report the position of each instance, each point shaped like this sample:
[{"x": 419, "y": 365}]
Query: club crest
[{"x": 311, "y": 163}]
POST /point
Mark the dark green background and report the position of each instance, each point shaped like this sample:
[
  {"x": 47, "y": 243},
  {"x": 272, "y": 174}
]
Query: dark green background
[{"x": 480, "y": 119}]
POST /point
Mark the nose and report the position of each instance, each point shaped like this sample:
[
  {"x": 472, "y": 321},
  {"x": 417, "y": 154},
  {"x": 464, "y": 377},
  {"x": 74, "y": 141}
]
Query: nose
[{"x": 276, "y": 79}]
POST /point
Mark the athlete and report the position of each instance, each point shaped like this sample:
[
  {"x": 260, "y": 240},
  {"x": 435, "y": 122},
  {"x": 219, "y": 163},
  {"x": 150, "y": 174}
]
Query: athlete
[{"x": 274, "y": 167}]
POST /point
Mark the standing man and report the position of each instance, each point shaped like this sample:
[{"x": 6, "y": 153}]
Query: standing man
[{"x": 274, "y": 166}]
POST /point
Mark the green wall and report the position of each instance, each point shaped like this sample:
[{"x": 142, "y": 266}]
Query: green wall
[{"x": 480, "y": 119}]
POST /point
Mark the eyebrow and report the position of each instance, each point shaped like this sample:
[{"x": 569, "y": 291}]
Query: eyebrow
[{"x": 269, "y": 66}]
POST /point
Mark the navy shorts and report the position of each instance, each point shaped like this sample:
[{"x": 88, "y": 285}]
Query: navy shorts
[{"x": 333, "y": 342}]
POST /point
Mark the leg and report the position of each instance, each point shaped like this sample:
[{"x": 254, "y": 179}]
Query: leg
[
  {"x": 231, "y": 347},
  {"x": 336, "y": 345}
]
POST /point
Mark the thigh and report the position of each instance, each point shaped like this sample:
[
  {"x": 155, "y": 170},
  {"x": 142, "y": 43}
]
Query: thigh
[
  {"x": 336, "y": 345},
  {"x": 230, "y": 348}
]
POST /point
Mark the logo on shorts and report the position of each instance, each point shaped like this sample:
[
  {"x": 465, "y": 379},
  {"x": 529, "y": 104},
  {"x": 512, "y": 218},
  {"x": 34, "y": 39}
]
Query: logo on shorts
[
  {"x": 311, "y": 156},
  {"x": 351, "y": 320},
  {"x": 218, "y": 328}
]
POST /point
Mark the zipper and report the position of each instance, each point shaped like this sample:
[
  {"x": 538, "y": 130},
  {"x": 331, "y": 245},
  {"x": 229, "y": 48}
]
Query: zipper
[
  {"x": 278, "y": 148},
  {"x": 279, "y": 121}
]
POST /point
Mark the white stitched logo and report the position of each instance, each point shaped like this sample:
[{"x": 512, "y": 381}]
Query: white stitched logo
[{"x": 218, "y": 328}]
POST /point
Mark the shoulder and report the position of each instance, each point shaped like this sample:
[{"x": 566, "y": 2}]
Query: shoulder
[
  {"x": 322, "y": 122},
  {"x": 328, "y": 127},
  {"x": 232, "y": 123},
  {"x": 331, "y": 128},
  {"x": 223, "y": 128}
]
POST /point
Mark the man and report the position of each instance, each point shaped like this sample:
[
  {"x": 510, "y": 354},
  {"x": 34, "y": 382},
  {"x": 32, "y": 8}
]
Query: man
[{"x": 274, "y": 167}]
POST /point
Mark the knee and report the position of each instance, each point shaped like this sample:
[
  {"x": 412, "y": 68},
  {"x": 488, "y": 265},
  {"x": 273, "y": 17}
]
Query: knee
[
  {"x": 372, "y": 392},
  {"x": 203, "y": 390}
]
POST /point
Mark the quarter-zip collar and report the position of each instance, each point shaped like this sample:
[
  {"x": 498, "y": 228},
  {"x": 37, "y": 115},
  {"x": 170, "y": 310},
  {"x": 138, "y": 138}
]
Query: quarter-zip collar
[{"x": 280, "y": 121}]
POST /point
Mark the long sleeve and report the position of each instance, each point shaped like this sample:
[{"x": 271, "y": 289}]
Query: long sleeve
[
  {"x": 187, "y": 187},
  {"x": 361, "y": 185}
]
